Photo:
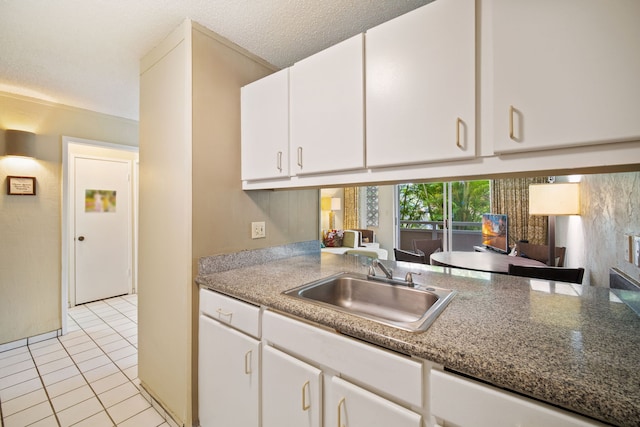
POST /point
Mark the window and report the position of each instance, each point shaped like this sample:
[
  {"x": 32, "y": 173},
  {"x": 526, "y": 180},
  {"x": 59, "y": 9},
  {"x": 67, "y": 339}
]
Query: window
[{"x": 423, "y": 203}]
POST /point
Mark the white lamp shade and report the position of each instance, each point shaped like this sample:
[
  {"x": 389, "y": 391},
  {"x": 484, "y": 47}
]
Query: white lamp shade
[
  {"x": 335, "y": 204},
  {"x": 554, "y": 199}
]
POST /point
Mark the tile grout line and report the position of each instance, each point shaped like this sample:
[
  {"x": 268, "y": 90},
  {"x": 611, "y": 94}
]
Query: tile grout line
[
  {"x": 46, "y": 392},
  {"x": 75, "y": 364},
  {"x": 104, "y": 353},
  {"x": 114, "y": 362}
]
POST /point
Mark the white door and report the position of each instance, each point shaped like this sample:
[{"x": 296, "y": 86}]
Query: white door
[
  {"x": 265, "y": 127},
  {"x": 103, "y": 228},
  {"x": 291, "y": 391},
  {"x": 327, "y": 110},
  {"x": 420, "y": 86},
  {"x": 564, "y": 73},
  {"x": 350, "y": 406},
  {"x": 228, "y": 376}
]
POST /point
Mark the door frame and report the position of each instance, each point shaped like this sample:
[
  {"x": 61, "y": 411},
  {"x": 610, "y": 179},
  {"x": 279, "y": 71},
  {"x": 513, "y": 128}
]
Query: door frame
[{"x": 79, "y": 147}]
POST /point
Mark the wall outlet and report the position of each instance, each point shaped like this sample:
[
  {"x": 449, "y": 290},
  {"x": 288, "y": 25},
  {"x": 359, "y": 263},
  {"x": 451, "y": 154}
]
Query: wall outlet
[
  {"x": 636, "y": 250},
  {"x": 628, "y": 247},
  {"x": 258, "y": 230}
]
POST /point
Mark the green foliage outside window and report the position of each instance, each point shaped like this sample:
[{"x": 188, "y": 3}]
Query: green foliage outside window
[{"x": 423, "y": 202}]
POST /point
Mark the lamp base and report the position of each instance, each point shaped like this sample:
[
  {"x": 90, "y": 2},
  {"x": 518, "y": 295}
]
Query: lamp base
[
  {"x": 551, "y": 241},
  {"x": 332, "y": 220}
]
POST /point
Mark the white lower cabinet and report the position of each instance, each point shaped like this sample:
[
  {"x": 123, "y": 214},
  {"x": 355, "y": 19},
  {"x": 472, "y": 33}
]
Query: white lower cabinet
[
  {"x": 228, "y": 365},
  {"x": 347, "y": 405},
  {"x": 465, "y": 403},
  {"x": 292, "y": 391},
  {"x": 304, "y": 380},
  {"x": 300, "y": 375}
]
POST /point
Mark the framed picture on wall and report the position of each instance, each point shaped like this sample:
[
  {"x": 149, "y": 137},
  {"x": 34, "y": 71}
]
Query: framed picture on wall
[{"x": 21, "y": 185}]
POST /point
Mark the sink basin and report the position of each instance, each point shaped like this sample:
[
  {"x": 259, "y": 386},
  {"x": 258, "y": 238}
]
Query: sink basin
[{"x": 406, "y": 308}]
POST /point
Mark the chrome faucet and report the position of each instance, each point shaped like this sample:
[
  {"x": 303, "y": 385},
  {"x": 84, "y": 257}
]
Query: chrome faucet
[{"x": 376, "y": 263}]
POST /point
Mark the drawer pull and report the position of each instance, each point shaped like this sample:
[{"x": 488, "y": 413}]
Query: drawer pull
[
  {"x": 300, "y": 157},
  {"x": 340, "y": 405},
  {"x": 279, "y": 161},
  {"x": 511, "y": 113},
  {"x": 305, "y": 405},
  {"x": 458, "y": 123},
  {"x": 221, "y": 313},
  {"x": 247, "y": 363}
]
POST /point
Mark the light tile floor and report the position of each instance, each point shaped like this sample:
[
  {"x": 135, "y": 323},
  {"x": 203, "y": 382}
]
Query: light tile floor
[{"x": 88, "y": 377}]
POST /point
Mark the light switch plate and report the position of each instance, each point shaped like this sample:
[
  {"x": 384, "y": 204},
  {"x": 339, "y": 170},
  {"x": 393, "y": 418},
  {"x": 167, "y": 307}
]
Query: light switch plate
[{"x": 636, "y": 250}]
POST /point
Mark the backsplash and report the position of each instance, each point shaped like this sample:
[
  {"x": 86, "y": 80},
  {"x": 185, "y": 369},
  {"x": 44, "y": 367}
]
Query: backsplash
[{"x": 610, "y": 209}]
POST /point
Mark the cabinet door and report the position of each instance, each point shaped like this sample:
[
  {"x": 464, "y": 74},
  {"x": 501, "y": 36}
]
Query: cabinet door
[
  {"x": 291, "y": 391},
  {"x": 347, "y": 405},
  {"x": 327, "y": 109},
  {"x": 565, "y": 73},
  {"x": 265, "y": 127},
  {"x": 420, "y": 86},
  {"x": 467, "y": 403},
  {"x": 228, "y": 387}
]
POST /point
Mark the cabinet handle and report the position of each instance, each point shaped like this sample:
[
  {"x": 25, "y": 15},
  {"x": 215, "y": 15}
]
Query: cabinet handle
[
  {"x": 279, "y": 161},
  {"x": 221, "y": 313},
  {"x": 300, "y": 157},
  {"x": 458, "y": 123},
  {"x": 340, "y": 405},
  {"x": 511, "y": 112},
  {"x": 247, "y": 362},
  {"x": 305, "y": 405}
]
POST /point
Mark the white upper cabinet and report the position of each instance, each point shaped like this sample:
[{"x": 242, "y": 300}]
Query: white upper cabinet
[
  {"x": 265, "y": 127},
  {"x": 420, "y": 86},
  {"x": 565, "y": 73},
  {"x": 327, "y": 109}
]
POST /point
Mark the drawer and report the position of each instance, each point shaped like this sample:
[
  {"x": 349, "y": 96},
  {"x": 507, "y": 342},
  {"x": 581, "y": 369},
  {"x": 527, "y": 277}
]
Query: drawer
[
  {"x": 468, "y": 403},
  {"x": 237, "y": 314},
  {"x": 381, "y": 370}
]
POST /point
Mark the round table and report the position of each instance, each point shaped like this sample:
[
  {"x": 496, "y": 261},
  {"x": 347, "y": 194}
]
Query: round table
[{"x": 481, "y": 261}]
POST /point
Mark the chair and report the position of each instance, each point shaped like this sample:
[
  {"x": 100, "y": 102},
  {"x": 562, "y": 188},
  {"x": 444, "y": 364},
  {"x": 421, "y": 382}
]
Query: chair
[
  {"x": 540, "y": 252},
  {"x": 401, "y": 255},
  {"x": 571, "y": 275},
  {"x": 427, "y": 246}
]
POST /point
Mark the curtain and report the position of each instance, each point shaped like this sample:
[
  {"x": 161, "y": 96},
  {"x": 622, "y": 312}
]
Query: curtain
[
  {"x": 511, "y": 197},
  {"x": 351, "y": 208}
]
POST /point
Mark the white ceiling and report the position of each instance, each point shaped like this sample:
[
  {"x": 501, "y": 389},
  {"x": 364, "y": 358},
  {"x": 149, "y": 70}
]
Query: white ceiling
[{"x": 86, "y": 53}]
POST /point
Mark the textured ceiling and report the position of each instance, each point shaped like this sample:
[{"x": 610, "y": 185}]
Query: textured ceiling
[{"x": 86, "y": 53}]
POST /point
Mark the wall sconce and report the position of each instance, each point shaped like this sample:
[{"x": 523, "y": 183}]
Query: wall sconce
[
  {"x": 19, "y": 143},
  {"x": 554, "y": 199}
]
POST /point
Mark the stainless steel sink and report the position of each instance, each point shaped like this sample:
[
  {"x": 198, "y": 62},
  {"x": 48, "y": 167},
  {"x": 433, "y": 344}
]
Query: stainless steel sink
[{"x": 410, "y": 309}]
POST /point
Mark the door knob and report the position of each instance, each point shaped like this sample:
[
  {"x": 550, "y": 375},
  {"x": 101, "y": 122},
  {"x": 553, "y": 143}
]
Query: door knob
[{"x": 81, "y": 238}]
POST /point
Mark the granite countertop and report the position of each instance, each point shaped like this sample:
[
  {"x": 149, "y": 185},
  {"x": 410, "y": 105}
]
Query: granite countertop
[{"x": 572, "y": 346}]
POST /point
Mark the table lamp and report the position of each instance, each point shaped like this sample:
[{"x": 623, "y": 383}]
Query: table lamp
[{"x": 554, "y": 199}]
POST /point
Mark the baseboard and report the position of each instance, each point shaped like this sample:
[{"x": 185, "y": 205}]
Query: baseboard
[{"x": 30, "y": 340}]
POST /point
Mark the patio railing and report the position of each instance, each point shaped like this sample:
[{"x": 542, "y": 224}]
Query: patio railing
[{"x": 466, "y": 235}]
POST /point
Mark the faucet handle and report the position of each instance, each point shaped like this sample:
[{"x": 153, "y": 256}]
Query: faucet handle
[
  {"x": 372, "y": 271},
  {"x": 409, "y": 277}
]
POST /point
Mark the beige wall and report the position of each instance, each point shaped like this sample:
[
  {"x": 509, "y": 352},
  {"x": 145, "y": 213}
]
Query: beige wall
[
  {"x": 30, "y": 226},
  {"x": 191, "y": 201},
  {"x": 164, "y": 251}
]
